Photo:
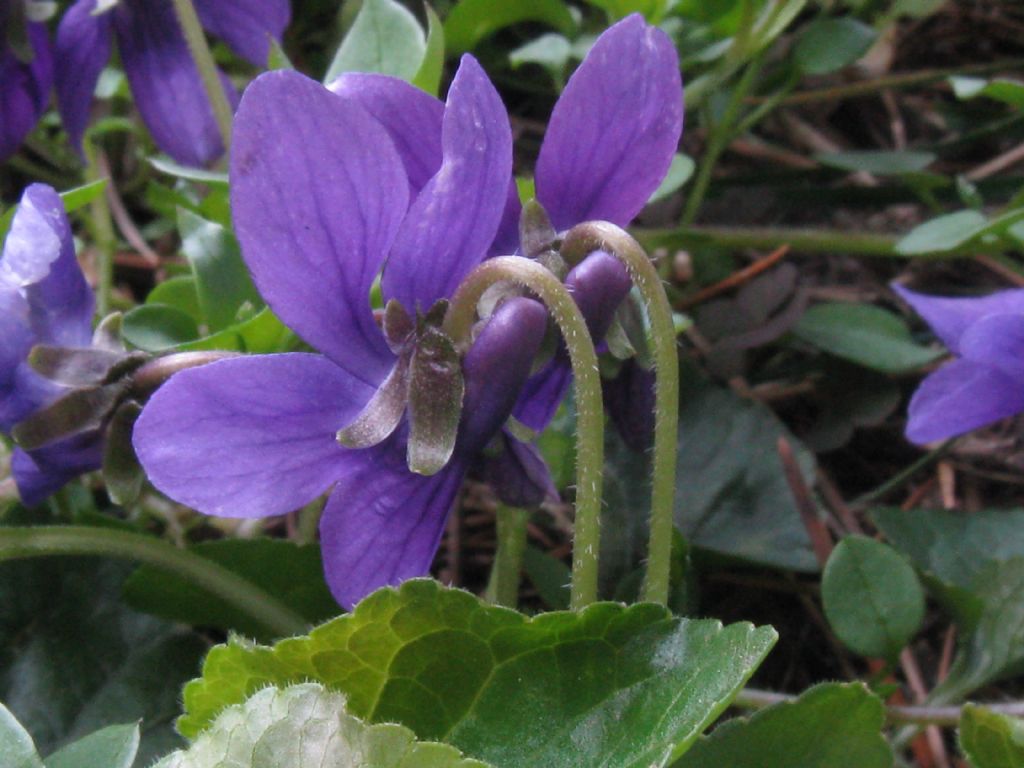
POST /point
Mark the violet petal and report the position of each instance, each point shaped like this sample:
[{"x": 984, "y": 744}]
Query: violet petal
[
  {"x": 83, "y": 49},
  {"x": 614, "y": 130},
  {"x": 950, "y": 317},
  {"x": 959, "y": 397},
  {"x": 24, "y": 89},
  {"x": 249, "y": 436},
  {"x": 41, "y": 473},
  {"x": 452, "y": 222},
  {"x": 997, "y": 340},
  {"x": 519, "y": 474},
  {"x": 318, "y": 192},
  {"x": 247, "y": 26}
]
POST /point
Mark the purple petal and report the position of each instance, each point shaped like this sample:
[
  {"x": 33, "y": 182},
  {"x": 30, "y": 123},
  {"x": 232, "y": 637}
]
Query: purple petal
[
  {"x": 453, "y": 221},
  {"x": 949, "y": 318},
  {"x": 997, "y": 340},
  {"x": 543, "y": 393},
  {"x": 495, "y": 368},
  {"x": 614, "y": 130},
  {"x": 629, "y": 399},
  {"x": 17, "y": 341},
  {"x": 506, "y": 239},
  {"x": 246, "y": 25},
  {"x": 318, "y": 193},
  {"x": 24, "y": 89},
  {"x": 39, "y": 258},
  {"x": 412, "y": 118},
  {"x": 83, "y": 48},
  {"x": 518, "y": 474},
  {"x": 165, "y": 82},
  {"x": 43, "y": 472},
  {"x": 382, "y": 524},
  {"x": 249, "y": 436},
  {"x": 959, "y": 397}
]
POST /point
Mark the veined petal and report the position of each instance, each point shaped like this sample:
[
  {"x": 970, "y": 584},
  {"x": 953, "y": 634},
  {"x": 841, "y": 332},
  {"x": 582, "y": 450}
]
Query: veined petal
[
  {"x": 506, "y": 239},
  {"x": 614, "y": 129},
  {"x": 246, "y": 25},
  {"x": 950, "y": 317},
  {"x": 412, "y": 118},
  {"x": 165, "y": 82},
  {"x": 249, "y": 436},
  {"x": 83, "y": 49},
  {"x": 997, "y": 340},
  {"x": 17, "y": 337},
  {"x": 382, "y": 524},
  {"x": 317, "y": 193},
  {"x": 452, "y": 223},
  {"x": 24, "y": 89},
  {"x": 39, "y": 258},
  {"x": 959, "y": 397}
]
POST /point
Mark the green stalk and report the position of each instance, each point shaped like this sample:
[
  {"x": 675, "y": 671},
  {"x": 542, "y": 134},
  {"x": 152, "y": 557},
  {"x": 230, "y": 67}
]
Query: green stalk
[
  {"x": 602, "y": 235},
  {"x": 770, "y": 238},
  {"x": 102, "y": 227},
  {"x": 589, "y": 409},
  {"x": 17, "y": 543},
  {"x": 503, "y": 588},
  {"x": 201, "y": 55}
]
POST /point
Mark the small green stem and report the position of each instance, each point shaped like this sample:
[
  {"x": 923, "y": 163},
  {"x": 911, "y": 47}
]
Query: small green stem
[
  {"x": 208, "y": 73},
  {"x": 770, "y": 238},
  {"x": 102, "y": 226},
  {"x": 17, "y": 543},
  {"x": 589, "y": 409},
  {"x": 602, "y": 235},
  {"x": 503, "y": 588}
]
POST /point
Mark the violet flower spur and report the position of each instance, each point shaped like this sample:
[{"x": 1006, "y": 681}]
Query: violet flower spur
[
  {"x": 164, "y": 80},
  {"x": 322, "y": 197},
  {"x": 26, "y": 74},
  {"x": 985, "y": 381},
  {"x": 44, "y": 299}
]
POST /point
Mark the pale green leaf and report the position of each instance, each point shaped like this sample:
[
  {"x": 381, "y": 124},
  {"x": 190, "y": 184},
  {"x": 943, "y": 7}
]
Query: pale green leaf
[
  {"x": 385, "y": 38},
  {"x": 112, "y": 747},
  {"x": 991, "y": 740}
]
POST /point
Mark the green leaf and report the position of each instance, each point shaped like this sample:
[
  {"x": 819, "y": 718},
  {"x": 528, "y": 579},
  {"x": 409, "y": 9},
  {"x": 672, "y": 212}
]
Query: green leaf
[
  {"x": 157, "y": 327},
  {"x": 307, "y": 726},
  {"x": 74, "y": 659},
  {"x": 551, "y": 51},
  {"x": 470, "y": 21},
  {"x": 679, "y": 172},
  {"x": 384, "y": 38},
  {"x": 180, "y": 293},
  {"x": 943, "y": 233},
  {"x": 878, "y": 162},
  {"x": 179, "y": 171},
  {"x": 549, "y": 576},
  {"x": 731, "y": 495},
  {"x": 991, "y": 740},
  {"x": 290, "y": 572},
  {"x": 652, "y": 10},
  {"x": 277, "y": 58},
  {"x": 830, "y": 725},
  {"x": 631, "y": 685},
  {"x": 223, "y": 284},
  {"x": 1001, "y": 89},
  {"x": 827, "y": 45},
  {"x": 16, "y": 747},
  {"x": 112, "y": 747},
  {"x": 872, "y": 597},
  {"x": 262, "y": 334},
  {"x": 864, "y": 334},
  {"x": 428, "y": 77}
]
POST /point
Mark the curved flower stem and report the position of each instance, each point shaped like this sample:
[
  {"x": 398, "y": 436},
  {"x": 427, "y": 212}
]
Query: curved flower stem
[
  {"x": 601, "y": 235},
  {"x": 200, "y": 50},
  {"x": 503, "y": 588},
  {"x": 589, "y": 409},
  {"x": 17, "y": 543}
]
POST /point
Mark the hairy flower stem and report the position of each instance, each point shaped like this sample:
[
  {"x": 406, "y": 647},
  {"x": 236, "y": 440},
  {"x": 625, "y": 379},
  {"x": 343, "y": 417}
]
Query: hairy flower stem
[
  {"x": 458, "y": 324},
  {"x": 17, "y": 543},
  {"x": 503, "y": 588},
  {"x": 601, "y": 235},
  {"x": 201, "y": 55},
  {"x": 101, "y": 224}
]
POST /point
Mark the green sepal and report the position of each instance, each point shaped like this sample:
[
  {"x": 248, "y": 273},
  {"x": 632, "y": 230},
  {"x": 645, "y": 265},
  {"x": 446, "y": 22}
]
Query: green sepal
[{"x": 122, "y": 473}]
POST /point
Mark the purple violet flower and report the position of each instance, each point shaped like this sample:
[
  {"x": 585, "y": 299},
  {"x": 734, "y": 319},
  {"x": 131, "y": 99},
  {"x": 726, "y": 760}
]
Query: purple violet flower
[
  {"x": 44, "y": 299},
  {"x": 26, "y": 76},
  {"x": 163, "y": 77},
  {"x": 985, "y": 381},
  {"x": 322, "y": 197}
]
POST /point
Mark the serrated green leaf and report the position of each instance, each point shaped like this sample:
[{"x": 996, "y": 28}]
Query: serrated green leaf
[
  {"x": 864, "y": 334},
  {"x": 290, "y": 572},
  {"x": 878, "y": 162},
  {"x": 223, "y": 284},
  {"x": 16, "y": 747},
  {"x": 428, "y": 77},
  {"x": 470, "y": 21},
  {"x": 112, "y": 747},
  {"x": 830, "y": 725},
  {"x": 943, "y": 233},
  {"x": 631, "y": 685},
  {"x": 826, "y": 45},
  {"x": 872, "y": 597},
  {"x": 991, "y": 740},
  {"x": 384, "y": 38},
  {"x": 307, "y": 726}
]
